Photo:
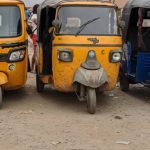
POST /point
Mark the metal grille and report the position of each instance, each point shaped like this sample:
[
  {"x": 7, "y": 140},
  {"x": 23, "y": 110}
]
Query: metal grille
[{"x": 146, "y": 61}]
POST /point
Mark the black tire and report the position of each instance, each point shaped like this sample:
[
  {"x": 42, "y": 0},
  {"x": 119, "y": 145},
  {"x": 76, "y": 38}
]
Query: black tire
[
  {"x": 1, "y": 97},
  {"x": 124, "y": 83},
  {"x": 39, "y": 84},
  {"x": 91, "y": 100}
]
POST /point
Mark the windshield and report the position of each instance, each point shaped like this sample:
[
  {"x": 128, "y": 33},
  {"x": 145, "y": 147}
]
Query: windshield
[
  {"x": 88, "y": 20},
  {"x": 10, "y": 21}
]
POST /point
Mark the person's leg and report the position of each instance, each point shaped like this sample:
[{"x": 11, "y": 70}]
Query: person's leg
[
  {"x": 34, "y": 38},
  {"x": 33, "y": 63}
]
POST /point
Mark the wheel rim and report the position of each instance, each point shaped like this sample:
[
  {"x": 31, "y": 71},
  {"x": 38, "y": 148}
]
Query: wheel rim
[
  {"x": 91, "y": 100},
  {"x": 1, "y": 97}
]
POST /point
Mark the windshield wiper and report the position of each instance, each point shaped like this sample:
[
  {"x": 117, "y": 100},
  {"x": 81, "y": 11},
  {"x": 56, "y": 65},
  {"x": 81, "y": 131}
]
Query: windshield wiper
[{"x": 85, "y": 24}]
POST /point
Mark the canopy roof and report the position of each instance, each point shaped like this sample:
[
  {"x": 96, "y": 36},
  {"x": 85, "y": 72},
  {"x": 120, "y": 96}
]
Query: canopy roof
[
  {"x": 127, "y": 11},
  {"x": 55, "y": 3},
  {"x": 137, "y": 3}
]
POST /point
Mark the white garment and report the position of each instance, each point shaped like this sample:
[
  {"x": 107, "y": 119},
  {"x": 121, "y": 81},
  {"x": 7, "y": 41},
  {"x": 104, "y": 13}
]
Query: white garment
[{"x": 34, "y": 23}]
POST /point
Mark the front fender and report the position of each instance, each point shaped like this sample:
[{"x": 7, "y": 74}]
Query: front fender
[
  {"x": 3, "y": 78},
  {"x": 90, "y": 78}
]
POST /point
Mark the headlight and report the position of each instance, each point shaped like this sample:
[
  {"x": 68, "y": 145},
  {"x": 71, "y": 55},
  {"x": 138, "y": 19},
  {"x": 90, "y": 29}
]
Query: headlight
[
  {"x": 91, "y": 54},
  {"x": 65, "y": 55},
  {"x": 17, "y": 55},
  {"x": 115, "y": 56}
]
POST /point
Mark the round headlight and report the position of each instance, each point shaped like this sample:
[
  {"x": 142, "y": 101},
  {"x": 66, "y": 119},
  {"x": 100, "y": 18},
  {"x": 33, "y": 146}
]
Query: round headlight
[
  {"x": 116, "y": 56},
  {"x": 91, "y": 54},
  {"x": 64, "y": 55}
]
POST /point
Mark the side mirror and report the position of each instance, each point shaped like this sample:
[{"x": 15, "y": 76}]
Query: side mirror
[
  {"x": 57, "y": 25},
  {"x": 122, "y": 24}
]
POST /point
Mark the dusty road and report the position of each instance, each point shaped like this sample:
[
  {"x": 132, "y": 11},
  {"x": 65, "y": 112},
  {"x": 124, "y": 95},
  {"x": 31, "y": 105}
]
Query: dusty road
[{"x": 57, "y": 121}]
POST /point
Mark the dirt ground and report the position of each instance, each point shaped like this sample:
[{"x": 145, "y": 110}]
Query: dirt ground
[{"x": 58, "y": 121}]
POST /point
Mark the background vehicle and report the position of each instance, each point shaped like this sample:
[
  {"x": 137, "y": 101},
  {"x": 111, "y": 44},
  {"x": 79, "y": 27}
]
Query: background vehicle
[
  {"x": 13, "y": 46},
  {"x": 136, "y": 34},
  {"x": 83, "y": 51}
]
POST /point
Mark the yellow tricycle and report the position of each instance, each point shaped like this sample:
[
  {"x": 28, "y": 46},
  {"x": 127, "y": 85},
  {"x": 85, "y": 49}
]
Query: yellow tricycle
[
  {"x": 79, "y": 48},
  {"x": 13, "y": 46}
]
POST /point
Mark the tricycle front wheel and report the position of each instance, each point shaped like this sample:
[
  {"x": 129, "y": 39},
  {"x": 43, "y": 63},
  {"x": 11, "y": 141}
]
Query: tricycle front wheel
[
  {"x": 1, "y": 97},
  {"x": 91, "y": 100}
]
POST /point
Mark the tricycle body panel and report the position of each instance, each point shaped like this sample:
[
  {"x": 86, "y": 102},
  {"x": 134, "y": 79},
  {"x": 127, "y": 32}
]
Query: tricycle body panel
[
  {"x": 16, "y": 72},
  {"x": 64, "y": 72},
  {"x": 137, "y": 68}
]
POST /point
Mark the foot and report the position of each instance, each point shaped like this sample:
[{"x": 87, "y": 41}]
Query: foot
[{"x": 32, "y": 71}]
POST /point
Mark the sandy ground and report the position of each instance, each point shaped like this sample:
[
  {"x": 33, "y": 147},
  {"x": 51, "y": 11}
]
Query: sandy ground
[{"x": 58, "y": 121}]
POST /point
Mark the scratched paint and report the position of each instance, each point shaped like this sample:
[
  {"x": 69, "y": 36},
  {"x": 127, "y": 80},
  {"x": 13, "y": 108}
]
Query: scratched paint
[{"x": 63, "y": 72}]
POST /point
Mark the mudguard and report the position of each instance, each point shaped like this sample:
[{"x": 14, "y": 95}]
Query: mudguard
[
  {"x": 3, "y": 78},
  {"x": 91, "y": 78}
]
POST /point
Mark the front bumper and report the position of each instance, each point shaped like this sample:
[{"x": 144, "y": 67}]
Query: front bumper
[{"x": 91, "y": 78}]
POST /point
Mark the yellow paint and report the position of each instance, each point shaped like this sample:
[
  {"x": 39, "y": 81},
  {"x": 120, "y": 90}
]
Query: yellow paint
[
  {"x": 3, "y": 78},
  {"x": 39, "y": 58},
  {"x": 63, "y": 72},
  {"x": 17, "y": 77}
]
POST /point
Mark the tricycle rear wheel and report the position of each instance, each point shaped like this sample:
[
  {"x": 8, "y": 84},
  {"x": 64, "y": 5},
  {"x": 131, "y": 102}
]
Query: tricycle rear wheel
[
  {"x": 39, "y": 84},
  {"x": 1, "y": 97},
  {"x": 91, "y": 100},
  {"x": 124, "y": 83}
]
